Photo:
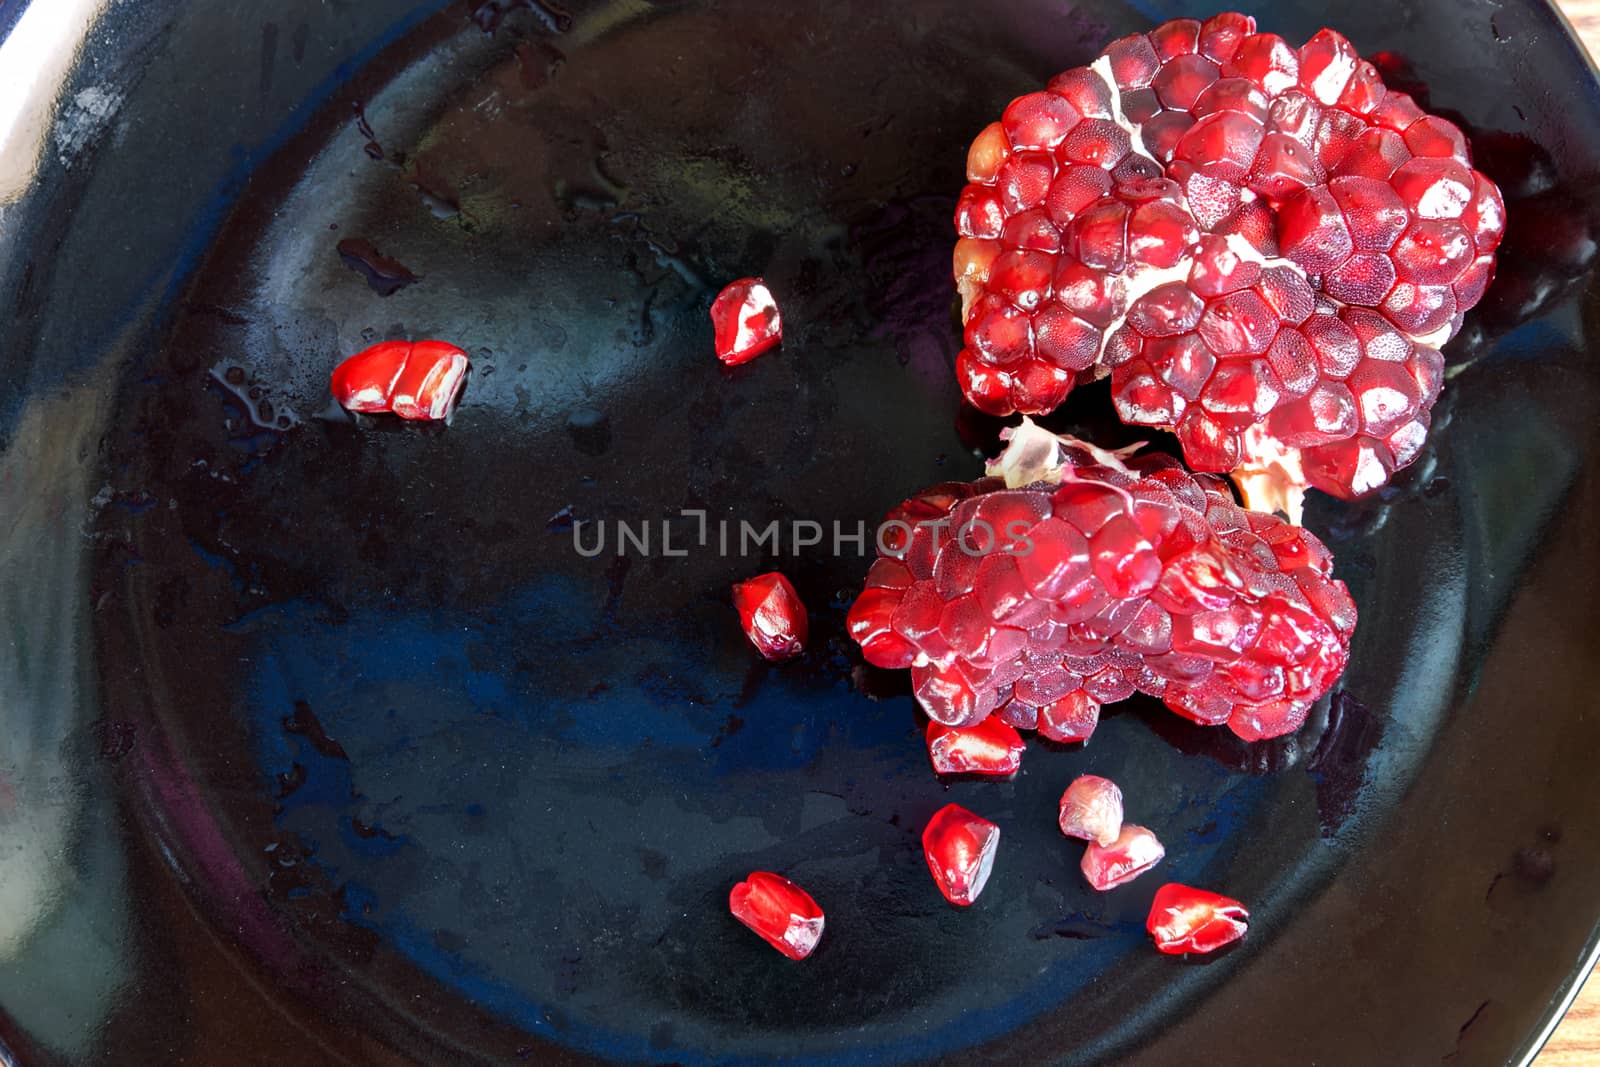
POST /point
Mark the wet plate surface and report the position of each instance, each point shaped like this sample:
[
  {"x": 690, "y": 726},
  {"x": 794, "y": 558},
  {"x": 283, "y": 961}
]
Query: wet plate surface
[{"x": 323, "y": 736}]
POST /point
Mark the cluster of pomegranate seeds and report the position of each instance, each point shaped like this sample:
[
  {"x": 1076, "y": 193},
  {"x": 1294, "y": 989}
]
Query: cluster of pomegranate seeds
[
  {"x": 1262, "y": 245},
  {"x": 781, "y": 912},
  {"x": 412, "y": 379},
  {"x": 993, "y": 748},
  {"x": 745, "y": 321},
  {"x": 959, "y": 847},
  {"x": 773, "y": 616},
  {"x": 1091, "y": 809},
  {"x": 1072, "y": 578},
  {"x": 1184, "y": 920}
]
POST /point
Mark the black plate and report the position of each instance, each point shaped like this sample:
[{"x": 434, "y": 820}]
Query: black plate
[{"x": 321, "y": 740}]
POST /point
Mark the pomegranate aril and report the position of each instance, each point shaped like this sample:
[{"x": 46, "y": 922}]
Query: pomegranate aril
[
  {"x": 1327, "y": 63},
  {"x": 1220, "y": 35},
  {"x": 1433, "y": 252},
  {"x": 1085, "y": 90},
  {"x": 1177, "y": 37},
  {"x": 414, "y": 380},
  {"x": 960, "y": 848},
  {"x": 1222, "y": 145},
  {"x": 1182, "y": 79},
  {"x": 992, "y": 747},
  {"x": 1265, "y": 59},
  {"x": 1099, "y": 143},
  {"x": 781, "y": 912},
  {"x": 1133, "y": 61},
  {"x": 1069, "y": 719},
  {"x": 951, "y": 694},
  {"x": 1038, "y": 121},
  {"x": 1365, "y": 279},
  {"x": 1312, "y": 231},
  {"x": 1022, "y": 181},
  {"x": 1434, "y": 188},
  {"x": 1374, "y": 154},
  {"x": 1232, "y": 94},
  {"x": 1134, "y": 851},
  {"x": 988, "y": 150},
  {"x": 1091, "y": 809},
  {"x": 1183, "y": 920},
  {"x": 1431, "y": 136},
  {"x": 745, "y": 321},
  {"x": 1166, "y": 311},
  {"x": 773, "y": 616}
]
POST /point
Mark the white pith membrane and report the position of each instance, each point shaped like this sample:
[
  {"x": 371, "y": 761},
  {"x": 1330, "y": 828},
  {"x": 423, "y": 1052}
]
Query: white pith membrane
[{"x": 1271, "y": 475}]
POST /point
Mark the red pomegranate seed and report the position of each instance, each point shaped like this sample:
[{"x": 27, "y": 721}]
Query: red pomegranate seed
[
  {"x": 1183, "y": 920},
  {"x": 773, "y": 616},
  {"x": 745, "y": 320},
  {"x": 414, "y": 380},
  {"x": 1070, "y": 719},
  {"x": 959, "y": 847},
  {"x": 1326, "y": 190},
  {"x": 781, "y": 912},
  {"x": 1134, "y": 851},
  {"x": 1091, "y": 809},
  {"x": 992, "y": 747}
]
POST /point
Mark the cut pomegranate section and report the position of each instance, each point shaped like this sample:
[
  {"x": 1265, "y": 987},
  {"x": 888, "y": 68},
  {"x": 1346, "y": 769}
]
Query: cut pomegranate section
[
  {"x": 959, "y": 847},
  {"x": 1117, "y": 573},
  {"x": 1134, "y": 851},
  {"x": 993, "y": 747},
  {"x": 773, "y": 616},
  {"x": 1192, "y": 213},
  {"x": 413, "y": 379},
  {"x": 1091, "y": 809},
  {"x": 1183, "y": 919},
  {"x": 745, "y": 321},
  {"x": 781, "y": 912}
]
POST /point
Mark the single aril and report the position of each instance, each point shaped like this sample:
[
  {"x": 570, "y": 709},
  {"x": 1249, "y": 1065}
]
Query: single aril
[
  {"x": 412, "y": 379},
  {"x": 992, "y": 747},
  {"x": 745, "y": 321},
  {"x": 1183, "y": 920},
  {"x": 1091, "y": 809},
  {"x": 773, "y": 616},
  {"x": 1134, "y": 851},
  {"x": 1217, "y": 185},
  {"x": 959, "y": 847},
  {"x": 781, "y": 912},
  {"x": 1102, "y": 574}
]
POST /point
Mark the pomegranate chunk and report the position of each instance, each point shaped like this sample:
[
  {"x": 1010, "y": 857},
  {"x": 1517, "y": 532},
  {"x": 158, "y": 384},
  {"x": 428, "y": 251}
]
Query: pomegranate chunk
[
  {"x": 1114, "y": 574},
  {"x": 745, "y": 321},
  {"x": 412, "y": 379},
  {"x": 959, "y": 847},
  {"x": 772, "y": 615},
  {"x": 1243, "y": 194},
  {"x": 1134, "y": 851},
  {"x": 992, "y": 747},
  {"x": 1185, "y": 920},
  {"x": 781, "y": 912},
  {"x": 1091, "y": 809}
]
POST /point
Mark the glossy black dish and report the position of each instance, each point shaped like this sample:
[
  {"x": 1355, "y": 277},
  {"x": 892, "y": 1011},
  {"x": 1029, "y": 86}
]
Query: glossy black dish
[{"x": 321, "y": 742}]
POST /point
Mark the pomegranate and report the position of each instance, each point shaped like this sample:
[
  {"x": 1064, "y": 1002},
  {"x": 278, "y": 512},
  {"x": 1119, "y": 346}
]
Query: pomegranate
[
  {"x": 1072, "y": 577},
  {"x": 1263, "y": 247}
]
